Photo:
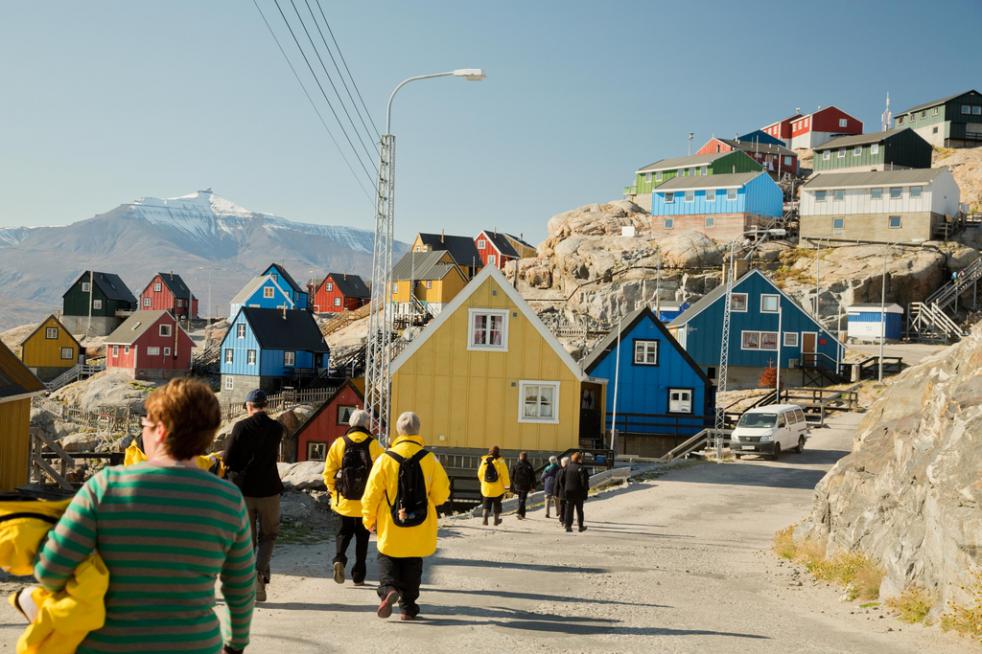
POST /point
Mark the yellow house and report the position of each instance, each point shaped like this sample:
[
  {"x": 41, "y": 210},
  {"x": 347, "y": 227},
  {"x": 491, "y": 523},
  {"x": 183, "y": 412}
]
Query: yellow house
[
  {"x": 462, "y": 250},
  {"x": 17, "y": 386},
  {"x": 434, "y": 276},
  {"x": 50, "y": 349},
  {"x": 488, "y": 372}
]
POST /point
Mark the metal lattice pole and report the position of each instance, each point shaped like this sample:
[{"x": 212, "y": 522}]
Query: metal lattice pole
[
  {"x": 377, "y": 378},
  {"x": 724, "y": 355}
]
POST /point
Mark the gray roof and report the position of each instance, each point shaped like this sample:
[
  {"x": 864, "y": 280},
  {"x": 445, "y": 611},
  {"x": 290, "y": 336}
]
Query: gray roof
[
  {"x": 520, "y": 241},
  {"x": 176, "y": 285},
  {"x": 728, "y": 180},
  {"x": 134, "y": 327},
  {"x": 682, "y": 162},
  {"x": 421, "y": 265},
  {"x": 350, "y": 285},
  {"x": 254, "y": 284},
  {"x": 934, "y": 103},
  {"x": 756, "y": 146},
  {"x": 285, "y": 329},
  {"x": 859, "y": 139},
  {"x": 111, "y": 285},
  {"x": 500, "y": 240},
  {"x": 461, "y": 248},
  {"x": 874, "y": 178},
  {"x": 875, "y": 308}
]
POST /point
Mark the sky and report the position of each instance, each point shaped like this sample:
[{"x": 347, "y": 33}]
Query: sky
[{"x": 103, "y": 102}]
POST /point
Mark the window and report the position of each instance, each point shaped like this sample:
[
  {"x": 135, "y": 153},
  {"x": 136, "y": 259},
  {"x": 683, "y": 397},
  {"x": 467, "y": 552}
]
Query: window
[
  {"x": 229, "y": 384},
  {"x": 115, "y": 350},
  {"x": 165, "y": 330},
  {"x": 146, "y": 302},
  {"x": 934, "y": 130},
  {"x": 769, "y": 303},
  {"x": 896, "y": 192},
  {"x": 787, "y": 160},
  {"x": 126, "y": 349},
  {"x": 752, "y": 340},
  {"x": 876, "y": 193},
  {"x": 428, "y": 283},
  {"x": 646, "y": 353},
  {"x": 647, "y": 178},
  {"x": 841, "y": 153},
  {"x": 669, "y": 198},
  {"x": 731, "y": 194},
  {"x": 874, "y": 149},
  {"x": 669, "y": 223},
  {"x": 679, "y": 400},
  {"x": 820, "y": 196},
  {"x": 895, "y": 222},
  {"x": 229, "y": 355},
  {"x": 710, "y": 222},
  {"x": 966, "y": 109},
  {"x": 156, "y": 287},
  {"x": 857, "y": 151},
  {"x": 738, "y": 302},
  {"x": 250, "y": 357},
  {"x": 481, "y": 243},
  {"x": 838, "y": 225},
  {"x": 267, "y": 292},
  {"x": 289, "y": 359},
  {"x": 317, "y": 451},
  {"x": 977, "y": 110},
  {"x": 768, "y": 341},
  {"x": 153, "y": 351},
  {"x": 491, "y": 259},
  {"x": 658, "y": 176},
  {"x": 67, "y": 354},
  {"x": 166, "y": 351},
  {"x": 934, "y": 112},
  {"x": 344, "y": 413},
  {"x": 900, "y": 120},
  {"x": 843, "y": 122},
  {"x": 85, "y": 287},
  {"x": 838, "y": 195},
  {"x": 923, "y": 113},
  {"x": 915, "y": 191},
  {"x": 790, "y": 339},
  {"x": 538, "y": 401},
  {"x": 705, "y": 170},
  {"x": 51, "y": 333},
  {"x": 240, "y": 330},
  {"x": 710, "y": 195},
  {"x": 690, "y": 196},
  {"x": 329, "y": 287},
  {"x": 97, "y": 304},
  {"x": 488, "y": 330},
  {"x": 826, "y": 155},
  {"x": 395, "y": 287},
  {"x": 337, "y": 301}
]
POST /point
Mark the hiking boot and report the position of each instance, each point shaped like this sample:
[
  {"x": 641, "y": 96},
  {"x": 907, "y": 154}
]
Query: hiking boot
[
  {"x": 408, "y": 616},
  {"x": 260, "y": 590},
  {"x": 569, "y": 530},
  {"x": 358, "y": 582},
  {"x": 386, "y": 603},
  {"x": 520, "y": 517},
  {"x": 582, "y": 528},
  {"x": 497, "y": 521},
  {"x": 338, "y": 572}
]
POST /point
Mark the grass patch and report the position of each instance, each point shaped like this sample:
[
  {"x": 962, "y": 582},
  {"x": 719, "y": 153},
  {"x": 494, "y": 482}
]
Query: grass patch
[
  {"x": 912, "y": 605},
  {"x": 855, "y": 571},
  {"x": 966, "y": 620}
]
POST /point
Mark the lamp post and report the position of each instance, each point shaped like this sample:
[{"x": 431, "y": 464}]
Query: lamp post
[{"x": 378, "y": 351}]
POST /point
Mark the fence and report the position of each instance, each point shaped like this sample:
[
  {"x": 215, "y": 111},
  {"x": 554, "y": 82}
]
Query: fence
[{"x": 282, "y": 401}]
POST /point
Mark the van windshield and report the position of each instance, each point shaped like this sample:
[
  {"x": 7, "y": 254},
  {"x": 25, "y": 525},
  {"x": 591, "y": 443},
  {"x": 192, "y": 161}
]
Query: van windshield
[{"x": 757, "y": 420}]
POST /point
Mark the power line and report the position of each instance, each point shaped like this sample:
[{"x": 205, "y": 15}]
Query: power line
[
  {"x": 313, "y": 105},
  {"x": 350, "y": 76},
  {"x": 344, "y": 131},
  {"x": 330, "y": 79}
]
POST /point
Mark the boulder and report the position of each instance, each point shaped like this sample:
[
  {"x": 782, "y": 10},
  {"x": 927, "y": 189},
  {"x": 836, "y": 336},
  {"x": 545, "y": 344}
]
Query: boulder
[
  {"x": 689, "y": 249},
  {"x": 81, "y": 442},
  {"x": 306, "y": 475}
]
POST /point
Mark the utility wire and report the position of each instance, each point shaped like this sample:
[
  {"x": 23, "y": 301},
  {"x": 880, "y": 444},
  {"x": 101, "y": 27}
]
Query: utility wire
[
  {"x": 313, "y": 105},
  {"x": 337, "y": 47},
  {"x": 344, "y": 131},
  {"x": 330, "y": 79}
]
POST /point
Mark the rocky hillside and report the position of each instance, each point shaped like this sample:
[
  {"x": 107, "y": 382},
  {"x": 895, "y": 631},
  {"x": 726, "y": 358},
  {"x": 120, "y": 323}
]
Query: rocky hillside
[
  {"x": 910, "y": 494},
  {"x": 966, "y": 167}
]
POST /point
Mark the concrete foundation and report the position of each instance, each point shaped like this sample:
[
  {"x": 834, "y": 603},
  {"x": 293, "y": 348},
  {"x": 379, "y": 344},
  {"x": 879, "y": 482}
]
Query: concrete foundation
[{"x": 101, "y": 325}]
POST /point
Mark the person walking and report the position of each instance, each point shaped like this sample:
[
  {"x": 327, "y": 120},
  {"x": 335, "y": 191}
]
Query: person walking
[
  {"x": 522, "y": 481},
  {"x": 576, "y": 485},
  {"x": 346, "y": 470},
  {"x": 493, "y": 474},
  {"x": 549, "y": 484},
  {"x": 166, "y": 531},
  {"x": 405, "y": 486},
  {"x": 561, "y": 489},
  {"x": 250, "y": 458}
]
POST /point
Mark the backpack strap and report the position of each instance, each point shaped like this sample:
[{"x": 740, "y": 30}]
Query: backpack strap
[
  {"x": 398, "y": 459},
  {"x": 419, "y": 455},
  {"x": 347, "y": 441}
]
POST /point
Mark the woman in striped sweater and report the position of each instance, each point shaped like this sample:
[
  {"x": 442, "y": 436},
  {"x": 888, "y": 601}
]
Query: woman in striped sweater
[{"x": 166, "y": 530}]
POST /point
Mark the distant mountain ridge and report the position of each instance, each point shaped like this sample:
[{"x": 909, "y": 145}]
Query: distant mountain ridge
[{"x": 201, "y": 236}]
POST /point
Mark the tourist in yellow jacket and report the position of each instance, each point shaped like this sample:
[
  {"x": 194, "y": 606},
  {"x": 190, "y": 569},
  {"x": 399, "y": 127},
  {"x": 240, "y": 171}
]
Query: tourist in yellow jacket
[
  {"x": 346, "y": 470},
  {"x": 493, "y": 474},
  {"x": 404, "y": 515}
]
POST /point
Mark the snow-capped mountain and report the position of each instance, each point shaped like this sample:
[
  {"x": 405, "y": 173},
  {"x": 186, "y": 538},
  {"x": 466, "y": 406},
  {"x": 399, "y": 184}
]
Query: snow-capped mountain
[{"x": 209, "y": 240}]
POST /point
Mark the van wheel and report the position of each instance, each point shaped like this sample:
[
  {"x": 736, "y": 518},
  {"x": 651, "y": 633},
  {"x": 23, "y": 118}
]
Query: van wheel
[
  {"x": 777, "y": 451},
  {"x": 801, "y": 444}
]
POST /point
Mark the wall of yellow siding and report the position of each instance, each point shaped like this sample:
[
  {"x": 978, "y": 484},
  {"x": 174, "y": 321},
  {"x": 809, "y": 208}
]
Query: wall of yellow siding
[
  {"x": 469, "y": 399},
  {"x": 39, "y": 352},
  {"x": 15, "y": 445}
]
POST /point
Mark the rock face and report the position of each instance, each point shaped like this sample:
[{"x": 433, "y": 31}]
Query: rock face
[{"x": 910, "y": 494}]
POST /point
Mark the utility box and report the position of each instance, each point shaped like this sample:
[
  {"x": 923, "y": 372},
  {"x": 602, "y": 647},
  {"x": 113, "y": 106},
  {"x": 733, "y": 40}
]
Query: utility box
[{"x": 870, "y": 322}]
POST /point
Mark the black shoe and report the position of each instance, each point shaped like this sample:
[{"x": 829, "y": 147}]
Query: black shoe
[
  {"x": 338, "y": 572},
  {"x": 582, "y": 528},
  {"x": 569, "y": 530}
]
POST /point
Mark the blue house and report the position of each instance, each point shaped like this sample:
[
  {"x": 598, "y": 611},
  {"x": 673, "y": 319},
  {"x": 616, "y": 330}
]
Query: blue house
[
  {"x": 298, "y": 294},
  {"x": 663, "y": 397},
  {"x": 723, "y": 207},
  {"x": 270, "y": 348},
  {"x": 262, "y": 292},
  {"x": 757, "y": 308},
  {"x": 760, "y": 136},
  {"x": 868, "y": 322}
]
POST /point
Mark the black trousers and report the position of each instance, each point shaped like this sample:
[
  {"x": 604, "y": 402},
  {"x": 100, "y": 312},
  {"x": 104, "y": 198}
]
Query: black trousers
[
  {"x": 402, "y": 575},
  {"x": 352, "y": 528},
  {"x": 568, "y": 515},
  {"x": 522, "y": 497},
  {"x": 493, "y": 504},
  {"x": 562, "y": 508}
]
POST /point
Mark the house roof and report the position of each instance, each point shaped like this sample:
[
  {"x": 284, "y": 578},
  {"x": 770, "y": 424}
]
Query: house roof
[
  {"x": 761, "y": 136},
  {"x": 934, "y": 103},
  {"x": 253, "y": 286},
  {"x": 60, "y": 324},
  {"x": 682, "y": 162},
  {"x": 285, "y": 329},
  {"x": 729, "y": 180},
  {"x": 16, "y": 380},
  {"x": 874, "y": 308},
  {"x": 110, "y": 284},
  {"x": 783, "y": 120},
  {"x": 350, "y": 285},
  {"x": 859, "y": 139},
  {"x": 136, "y": 325},
  {"x": 757, "y": 146},
  {"x": 422, "y": 266},
  {"x": 873, "y": 178},
  {"x": 501, "y": 242},
  {"x": 517, "y": 300},
  {"x": 461, "y": 248},
  {"x": 313, "y": 416},
  {"x": 609, "y": 342},
  {"x": 176, "y": 285},
  {"x": 286, "y": 275},
  {"x": 520, "y": 241}
]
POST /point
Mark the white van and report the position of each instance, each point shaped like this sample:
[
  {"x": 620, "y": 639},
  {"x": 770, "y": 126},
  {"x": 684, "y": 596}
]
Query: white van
[{"x": 770, "y": 430}]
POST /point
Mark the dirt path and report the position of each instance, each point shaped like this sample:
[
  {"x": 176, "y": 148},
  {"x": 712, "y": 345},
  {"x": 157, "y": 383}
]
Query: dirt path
[{"x": 678, "y": 564}]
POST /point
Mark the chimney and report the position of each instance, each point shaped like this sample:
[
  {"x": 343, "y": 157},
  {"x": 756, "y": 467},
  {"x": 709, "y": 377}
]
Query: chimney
[
  {"x": 442, "y": 235},
  {"x": 496, "y": 230},
  {"x": 284, "y": 312}
]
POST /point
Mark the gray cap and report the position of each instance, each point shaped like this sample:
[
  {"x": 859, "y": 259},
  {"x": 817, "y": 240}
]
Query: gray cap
[{"x": 408, "y": 424}]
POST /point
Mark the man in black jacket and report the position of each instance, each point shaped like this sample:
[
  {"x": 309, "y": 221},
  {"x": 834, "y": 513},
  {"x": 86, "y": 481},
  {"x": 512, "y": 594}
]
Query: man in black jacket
[
  {"x": 250, "y": 458},
  {"x": 576, "y": 485},
  {"x": 522, "y": 481}
]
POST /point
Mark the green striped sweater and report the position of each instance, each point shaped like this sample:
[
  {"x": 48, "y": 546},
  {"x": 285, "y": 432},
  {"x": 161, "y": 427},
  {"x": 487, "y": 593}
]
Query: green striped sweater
[{"x": 165, "y": 534}]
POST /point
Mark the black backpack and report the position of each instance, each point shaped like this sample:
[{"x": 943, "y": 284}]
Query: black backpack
[
  {"x": 356, "y": 463},
  {"x": 524, "y": 476},
  {"x": 490, "y": 471},
  {"x": 412, "y": 501}
]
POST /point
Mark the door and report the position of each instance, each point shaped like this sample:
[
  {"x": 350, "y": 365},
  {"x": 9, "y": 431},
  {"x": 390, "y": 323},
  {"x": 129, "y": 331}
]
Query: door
[
  {"x": 679, "y": 400},
  {"x": 786, "y": 435},
  {"x": 809, "y": 341}
]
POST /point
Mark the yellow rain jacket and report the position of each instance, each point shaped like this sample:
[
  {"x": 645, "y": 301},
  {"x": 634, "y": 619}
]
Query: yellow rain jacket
[
  {"x": 63, "y": 619},
  {"x": 382, "y": 487},
  {"x": 494, "y": 488},
  {"x": 208, "y": 462},
  {"x": 332, "y": 466}
]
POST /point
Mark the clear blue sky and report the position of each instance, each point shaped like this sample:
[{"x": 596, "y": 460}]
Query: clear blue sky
[{"x": 107, "y": 101}]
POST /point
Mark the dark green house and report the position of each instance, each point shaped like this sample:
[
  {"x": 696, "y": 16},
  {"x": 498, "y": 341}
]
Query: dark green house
[
  {"x": 108, "y": 297},
  {"x": 717, "y": 163},
  {"x": 900, "y": 147},
  {"x": 951, "y": 122}
]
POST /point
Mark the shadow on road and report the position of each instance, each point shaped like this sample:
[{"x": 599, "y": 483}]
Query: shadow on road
[
  {"x": 530, "y": 567},
  {"x": 753, "y": 473},
  {"x": 511, "y": 594},
  {"x": 809, "y": 457}
]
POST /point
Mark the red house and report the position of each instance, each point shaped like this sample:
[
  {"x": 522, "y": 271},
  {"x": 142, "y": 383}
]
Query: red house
[
  {"x": 150, "y": 345},
  {"x": 775, "y": 159},
  {"x": 781, "y": 129},
  {"x": 818, "y": 127},
  {"x": 329, "y": 422},
  {"x": 340, "y": 292},
  {"x": 168, "y": 292},
  {"x": 495, "y": 249}
]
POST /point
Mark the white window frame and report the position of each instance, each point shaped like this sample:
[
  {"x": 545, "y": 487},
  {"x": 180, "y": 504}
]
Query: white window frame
[
  {"x": 97, "y": 304},
  {"x": 916, "y": 191},
  {"x": 966, "y": 110},
  {"x": 876, "y": 193},
  {"x": 115, "y": 350},
  {"x": 51, "y": 333},
  {"x": 705, "y": 170},
  {"x": 841, "y": 227},
  {"x": 843, "y": 122},
  {"x": 899, "y": 225},
  {"x": 690, "y": 196},
  {"x": 658, "y": 175},
  {"x": 229, "y": 355},
  {"x": 710, "y": 195},
  {"x": 153, "y": 351},
  {"x": 428, "y": 283},
  {"x": 481, "y": 244},
  {"x": 645, "y": 349},
  {"x": 156, "y": 287},
  {"x": 146, "y": 302},
  {"x": 731, "y": 194},
  {"x": 857, "y": 151},
  {"x": 743, "y": 340},
  {"x": 85, "y": 287},
  {"x": 687, "y": 391},
  {"x": 841, "y": 153},
  {"x": 934, "y": 112},
  {"x": 472, "y": 314},
  {"x": 976, "y": 110},
  {"x": 229, "y": 383},
  {"x": 165, "y": 331},
  {"x": 710, "y": 222},
  {"x": 492, "y": 259},
  {"x": 826, "y": 155},
  {"x": 126, "y": 349},
  {"x": 289, "y": 359},
  {"x": 820, "y": 195},
  {"x": 669, "y": 223},
  {"x": 733, "y": 308},
  {"x": 522, "y": 385},
  {"x": 268, "y": 292},
  {"x": 669, "y": 198},
  {"x": 768, "y": 296},
  {"x": 166, "y": 351},
  {"x": 251, "y": 357},
  {"x": 70, "y": 351},
  {"x": 838, "y": 195},
  {"x": 337, "y": 301},
  {"x": 791, "y": 342},
  {"x": 899, "y": 195},
  {"x": 240, "y": 330},
  {"x": 316, "y": 451},
  {"x": 760, "y": 340},
  {"x": 874, "y": 149},
  {"x": 329, "y": 287}
]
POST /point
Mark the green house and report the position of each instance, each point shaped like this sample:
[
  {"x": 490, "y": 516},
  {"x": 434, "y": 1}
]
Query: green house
[
  {"x": 104, "y": 292},
  {"x": 716, "y": 163},
  {"x": 951, "y": 122},
  {"x": 900, "y": 147}
]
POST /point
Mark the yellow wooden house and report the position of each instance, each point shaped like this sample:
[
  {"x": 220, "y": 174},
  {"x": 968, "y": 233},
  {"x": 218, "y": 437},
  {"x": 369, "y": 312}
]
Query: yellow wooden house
[
  {"x": 488, "y": 372},
  {"x": 50, "y": 349},
  {"x": 434, "y": 277},
  {"x": 462, "y": 249},
  {"x": 17, "y": 386}
]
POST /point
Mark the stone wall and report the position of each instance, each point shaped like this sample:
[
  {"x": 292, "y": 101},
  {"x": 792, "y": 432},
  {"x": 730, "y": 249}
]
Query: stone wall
[{"x": 871, "y": 227}]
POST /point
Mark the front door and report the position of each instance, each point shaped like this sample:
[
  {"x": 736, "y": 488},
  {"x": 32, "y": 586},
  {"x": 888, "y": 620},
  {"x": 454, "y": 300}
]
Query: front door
[{"x": 808, "y": 343}]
